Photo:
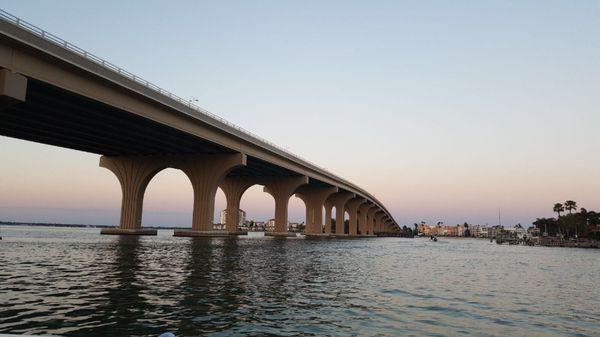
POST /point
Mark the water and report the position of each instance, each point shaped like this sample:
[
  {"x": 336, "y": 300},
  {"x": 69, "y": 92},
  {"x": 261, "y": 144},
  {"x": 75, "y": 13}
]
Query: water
[{"x": 74, "y": 282}]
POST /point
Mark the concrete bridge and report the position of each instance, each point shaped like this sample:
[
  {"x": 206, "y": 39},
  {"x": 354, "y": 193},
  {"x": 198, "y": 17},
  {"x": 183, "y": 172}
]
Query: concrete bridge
[{"x": 55, "y": 93}]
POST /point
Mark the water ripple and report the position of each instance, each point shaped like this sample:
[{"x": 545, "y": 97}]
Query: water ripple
[{"x": 78, "y": 283}]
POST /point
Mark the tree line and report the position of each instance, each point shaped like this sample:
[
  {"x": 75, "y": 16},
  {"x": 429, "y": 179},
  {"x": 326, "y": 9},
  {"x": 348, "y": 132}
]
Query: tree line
[{"x": 576, "y": 223}]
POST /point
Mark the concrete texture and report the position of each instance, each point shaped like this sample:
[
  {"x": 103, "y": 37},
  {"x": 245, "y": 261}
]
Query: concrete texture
[
  {"x": 352, "y": 208},
  {"x": 282, "y": 188},
  {"x": 314, "y": 198},
  {"x": 339, "y": 202}
]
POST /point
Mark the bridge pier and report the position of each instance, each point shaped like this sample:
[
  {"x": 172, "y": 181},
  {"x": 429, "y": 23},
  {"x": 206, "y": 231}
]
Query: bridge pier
[
  {"x": 135, "y": 172},
  {"x": 386, "y": 225},
  {"x": 205, "y": 173},
  {"x": 352, "y": 207},
  {"x": 339, "y": 201},
  {"x": 377, "y": 224},
  {"x": 362, "y": 218},
  {"x": 371, "y": 220},
  {"x": 234, "y": 188},
  {"x": 314, "y": 198},
  {"x": 282, "y": 188}
]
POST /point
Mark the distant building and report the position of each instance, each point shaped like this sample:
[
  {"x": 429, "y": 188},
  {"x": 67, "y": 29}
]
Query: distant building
[
  {"x": 533, "y": 231},
  {"x": 242, "y": 218},
  {"x": 258, "y": 226},
  {"x": 270, "y": 225},
  {"x": 494, "y": 231},
  {"x": 296, "y": 227},
  {"x": 478, "y": 231}
]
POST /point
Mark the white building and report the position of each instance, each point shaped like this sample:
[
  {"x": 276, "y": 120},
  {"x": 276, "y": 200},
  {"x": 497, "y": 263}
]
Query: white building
[
  {"x": 241, "y": 221},
  {"x": 270, "y": 225}
]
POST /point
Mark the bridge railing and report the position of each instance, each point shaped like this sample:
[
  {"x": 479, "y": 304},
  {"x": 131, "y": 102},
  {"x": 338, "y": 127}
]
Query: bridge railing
[
  {"x": 108, "y": 65},
  {"x": 116, "y": 69}
]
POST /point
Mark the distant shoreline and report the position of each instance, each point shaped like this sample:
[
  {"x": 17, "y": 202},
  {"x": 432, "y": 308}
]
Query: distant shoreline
[{"x": 46, "y": 224}]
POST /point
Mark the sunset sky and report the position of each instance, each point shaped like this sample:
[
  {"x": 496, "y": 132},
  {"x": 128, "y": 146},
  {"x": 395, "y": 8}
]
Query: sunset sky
[{"x": 444, "y": 110}]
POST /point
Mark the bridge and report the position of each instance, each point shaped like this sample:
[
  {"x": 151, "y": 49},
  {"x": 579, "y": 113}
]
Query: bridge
[{"x": 55, "y": 93}]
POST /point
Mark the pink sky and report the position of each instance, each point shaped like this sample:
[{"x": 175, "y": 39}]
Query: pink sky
[{"x": 445, "y": 112}]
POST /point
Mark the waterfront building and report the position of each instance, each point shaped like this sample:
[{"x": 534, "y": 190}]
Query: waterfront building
[
  {"x": 460, "y": 230},
  {"x": 270, "y": 225},
  {"x": 424, "y": 229},
  {"x": 533, "y": 231},
  {"x": 242, "y": 217},
  {"x": 258, "y": 226},
  {"x": 477, "y": 231},
  {"x": 450, "y": 230},
  {"x": 494, "y": 231}
]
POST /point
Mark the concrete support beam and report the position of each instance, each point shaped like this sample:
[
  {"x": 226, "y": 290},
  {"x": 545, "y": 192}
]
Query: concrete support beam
[
  {"x": 379, "y": 216},
  {"x": 371, "y": 220},
  {"x": 134, "y": 174},
  {"x": 352, "y": 207},
  {"x": 13, "y": 88},
  {"x": 363, "y": 222},
  {"x": 234, "y": 188},
  {"x": 339, "y": 201},
  {"x": 205, "y": 173},
  {"x": 314, "y": 198},
  {"x": 282, "y": 188}
]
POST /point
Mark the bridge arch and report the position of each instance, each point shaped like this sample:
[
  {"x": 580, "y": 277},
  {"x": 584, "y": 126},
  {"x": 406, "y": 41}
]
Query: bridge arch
[{"x": 168, "y": 199}]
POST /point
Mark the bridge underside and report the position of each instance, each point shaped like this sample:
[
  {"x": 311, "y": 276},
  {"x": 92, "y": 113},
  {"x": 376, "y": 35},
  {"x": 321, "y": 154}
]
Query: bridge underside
[{"x": 54, "y": 116}]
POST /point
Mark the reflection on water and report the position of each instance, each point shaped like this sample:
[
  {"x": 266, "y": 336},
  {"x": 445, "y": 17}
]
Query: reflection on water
[{"x": 75, "y": 282}]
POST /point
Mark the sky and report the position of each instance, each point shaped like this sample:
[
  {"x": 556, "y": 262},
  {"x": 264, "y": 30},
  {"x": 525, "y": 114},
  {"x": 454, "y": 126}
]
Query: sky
[{"x": 444, "y": 110}]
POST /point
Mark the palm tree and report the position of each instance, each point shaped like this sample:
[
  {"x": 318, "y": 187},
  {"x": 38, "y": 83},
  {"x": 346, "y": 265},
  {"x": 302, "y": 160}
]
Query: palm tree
[
  {"x": 558, "y": 207},
  {"x": 570, "y": 206}
]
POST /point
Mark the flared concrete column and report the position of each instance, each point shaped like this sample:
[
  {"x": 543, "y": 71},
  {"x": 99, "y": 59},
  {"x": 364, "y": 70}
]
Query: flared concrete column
[
  {"x": 352, "y": 207},
  {"x": 371, "y": 219},
  {"x": 328, "y": 207},
  {"x": 387, "y": 225},
  {"x": 205, "y": 173},
  {"x": 379, "y": 221},
  {"x": 233, "y": 188},
  {"x": 282, "y": 188},
  {"x": 339, "y": 201},
  {"x": 134, "y": 174},
  {"x": 314, "y": 198},
  {"x": 363, "y": 225}
]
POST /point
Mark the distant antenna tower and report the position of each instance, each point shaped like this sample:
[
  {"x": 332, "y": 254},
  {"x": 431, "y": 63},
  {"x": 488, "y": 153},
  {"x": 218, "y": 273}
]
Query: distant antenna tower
[{"x": 499, "y": 218}]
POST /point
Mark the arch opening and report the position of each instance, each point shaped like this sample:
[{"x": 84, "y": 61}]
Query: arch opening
[
  {"x": 258, "y": 208},
  {"x": 168, "y": 200}
]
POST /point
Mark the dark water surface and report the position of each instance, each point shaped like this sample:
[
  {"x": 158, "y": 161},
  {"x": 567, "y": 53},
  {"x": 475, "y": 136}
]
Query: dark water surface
[{"x": 74, "y": 282}]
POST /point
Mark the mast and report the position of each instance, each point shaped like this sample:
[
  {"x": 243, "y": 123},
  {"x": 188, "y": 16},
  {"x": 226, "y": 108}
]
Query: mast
[{"x": 499, "y": 218}]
